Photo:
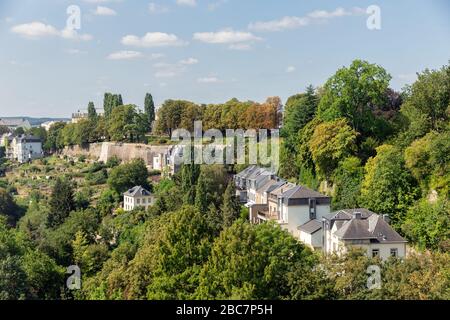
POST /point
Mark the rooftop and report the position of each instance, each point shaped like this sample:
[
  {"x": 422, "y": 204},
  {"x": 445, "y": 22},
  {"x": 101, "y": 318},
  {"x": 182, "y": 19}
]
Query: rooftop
[{"x": 137, "y": 191}]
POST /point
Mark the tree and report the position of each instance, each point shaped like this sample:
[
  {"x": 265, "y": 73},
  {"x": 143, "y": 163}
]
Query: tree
[
  {"x": 427, "y": 102},
  {"x": 92, "y": 113},
  {"x": 353, "y": 93},
  {"x": 126, "y": 124},
  {"x": 347, "y": 183},
  {"x": 61, "y": 202},
  {"x": 201, "y": 194},
  {"x": 250, "y": 262},
  {"x": 428, "y": 224},
  {"x": 3, "y": 130},
  {"x": 231, "y": 207},
  {"x": 128, "y": 175},
  {"x": 110, "y": 102},
  {"x": 331, "y": 142},
  {"x": 299, "y": 110},
  {"x": 388, "y": 187},
  {"x": 8, "y": 207},
  {"x": 189, "y": 177},
  {"x": 53, "y": 141},
  {"x": 149, "y": 109}
]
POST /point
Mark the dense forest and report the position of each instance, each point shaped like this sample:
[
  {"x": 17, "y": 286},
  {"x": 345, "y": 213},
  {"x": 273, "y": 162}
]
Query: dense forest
[{"x": 353, "y": 138}]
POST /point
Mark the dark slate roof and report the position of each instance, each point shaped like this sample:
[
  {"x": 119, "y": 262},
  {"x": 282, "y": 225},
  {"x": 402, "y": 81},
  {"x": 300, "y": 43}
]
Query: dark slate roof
[
  {"x": 28, "y": 138},
  {"x": 247, "y": 171},
  {"x": 137, "y": 191},
  {"x": 301, "y": 192},
  {"x": 276, "y": 185},
  {"x": 347, "y": 214},
  {"x": 311, "y": 227},
  {"x": 370, "y": 226},
  {"x": 266, "y": 186}
]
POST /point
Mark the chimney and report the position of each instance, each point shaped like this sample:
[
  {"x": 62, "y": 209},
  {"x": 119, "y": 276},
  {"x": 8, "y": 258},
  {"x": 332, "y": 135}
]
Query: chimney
[
  {"x": 386, "y": 218},
  {"x": 357, "y": 215}
]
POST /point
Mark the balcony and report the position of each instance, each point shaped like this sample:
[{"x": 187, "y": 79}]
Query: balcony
[{"x": 266, "y": 215}]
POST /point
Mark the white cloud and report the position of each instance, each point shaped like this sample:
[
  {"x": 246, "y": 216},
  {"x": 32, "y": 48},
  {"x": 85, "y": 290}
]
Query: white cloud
[
  {"x": 189, "y": 3},
  {"x": 105, "y": 11},
  {"x": 125, "y": 55},
  {"x": 165, "y": 74},
  {"x": 208, "y": 80},
  {"x": 155, "y": 8},
  {"x": 227, "y": 36},
  {"x": 74, "y": 35},
  {"x": 292, "y": 22},
  {"x": 153, "y": 39},
  {"x": 278, "y": 25},
  {"x": 237, "y": 40},
  {"x": 36, "y": 30},
  {"x": 290, "y": 69},
  {"x": 189, "y": 61}
]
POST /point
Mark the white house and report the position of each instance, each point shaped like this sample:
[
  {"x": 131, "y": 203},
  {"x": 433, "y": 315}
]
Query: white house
[
  {"x": 364, "y": 229},
  {"x": 137, "y": 197},
  {"x": 26, "y": 148}
]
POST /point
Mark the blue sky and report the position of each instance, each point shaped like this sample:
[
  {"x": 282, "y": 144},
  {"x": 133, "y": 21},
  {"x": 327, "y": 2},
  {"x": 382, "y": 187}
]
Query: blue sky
[{"x": 203, "y": 50}]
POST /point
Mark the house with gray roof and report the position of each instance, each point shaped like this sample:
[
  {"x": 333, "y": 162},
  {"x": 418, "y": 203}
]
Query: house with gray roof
[
  {"x": 137, "y": 197},
  {"x": 25, "y": 148},
  {"x": 361, "y": 228}
]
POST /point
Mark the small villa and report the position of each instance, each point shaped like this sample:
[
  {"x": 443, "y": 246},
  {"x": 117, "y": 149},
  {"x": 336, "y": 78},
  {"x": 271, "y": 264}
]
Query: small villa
[{"x": 137, "y": 197}]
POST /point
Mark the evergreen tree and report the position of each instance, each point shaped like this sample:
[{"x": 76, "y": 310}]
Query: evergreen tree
[
  {"x": 61, "y": 202},
  {"x": 149, "y": 109},
  {"x": 92, "y": 113},
  {"x": 231, "y": 208},
  {"x": 201, "y": 194},
  {"x": 189, "y": 177}
]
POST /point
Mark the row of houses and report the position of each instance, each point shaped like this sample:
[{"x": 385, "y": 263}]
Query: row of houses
[
  {"x": 21, "y": 148},
  {"x": 307, "y": 215}
]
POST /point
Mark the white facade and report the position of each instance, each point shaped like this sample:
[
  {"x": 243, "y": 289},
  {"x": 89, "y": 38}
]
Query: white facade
[
  {"x": 295, "y": 216},
  {"x": 131, "y": 203},
  {"x": 137, "y": 197},
  {"x": 24, "y": 149}
]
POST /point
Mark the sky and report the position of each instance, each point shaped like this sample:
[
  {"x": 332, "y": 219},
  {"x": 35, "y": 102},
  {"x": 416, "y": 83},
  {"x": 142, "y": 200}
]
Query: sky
[{"x": 206, "y": 51}]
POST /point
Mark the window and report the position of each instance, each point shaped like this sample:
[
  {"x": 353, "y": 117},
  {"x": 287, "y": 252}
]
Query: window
[
  {"x": 394, "y": 252},
  {"x": 375, "y": 253},
  {"x": 138, "y": 201},
  {"x": 312, "y": 209}
]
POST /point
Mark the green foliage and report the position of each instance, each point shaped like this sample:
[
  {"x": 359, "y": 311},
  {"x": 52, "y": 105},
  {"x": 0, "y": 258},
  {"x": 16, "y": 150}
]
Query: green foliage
[
  {"x": 231, "y": 208},
  {"x": 127, "y": 124},
  {"x": 331, "y": 143},
  {"x": 388, "y": 187},
  {"x": 61, "y": 202},
  {"x": 352, "y": 92},
  {"x": 427, "y": 103},
  {"x": 128, "y": 175},
  {"x": 299, "y": 110},
  {"x": 8, "y": 207},
  {"x": 347, "y": 183},
  {"x": 250, "y": 262},
  {"x": 428, "y": 224},
  {"x": 149, "y": 109}
]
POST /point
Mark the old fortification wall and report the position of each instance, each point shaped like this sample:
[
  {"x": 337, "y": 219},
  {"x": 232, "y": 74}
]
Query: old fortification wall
[{"x": 123, "y": 151}]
